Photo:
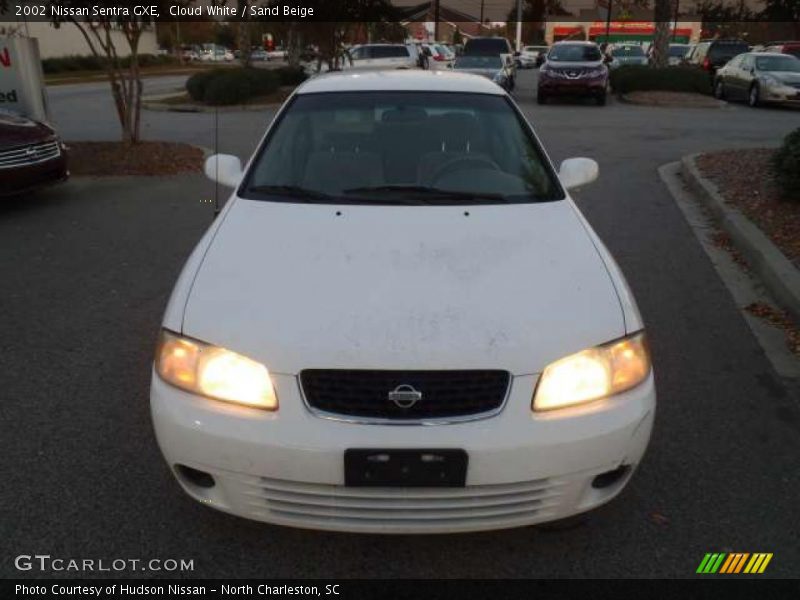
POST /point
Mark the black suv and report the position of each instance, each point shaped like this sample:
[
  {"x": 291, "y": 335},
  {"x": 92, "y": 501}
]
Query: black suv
[{"x": 710, "y": 55}]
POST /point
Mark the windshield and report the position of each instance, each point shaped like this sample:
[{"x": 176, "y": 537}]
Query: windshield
[
  {"x": 400, "y": 148},
  {"x": 726, "y": 50},
  {"x": 574, "y": 53},
  {"x": 628, "y": 51},
  {"x": 479, "y": 62},
  {"x": 778, "y": 63},
  {"x": 678, "y": 50}
]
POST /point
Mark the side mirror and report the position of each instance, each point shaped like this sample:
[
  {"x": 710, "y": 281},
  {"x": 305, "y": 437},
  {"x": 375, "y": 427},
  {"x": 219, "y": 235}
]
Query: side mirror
[
  {"x": 224, "y": 169},
  {"x": 575, "y": 172}
]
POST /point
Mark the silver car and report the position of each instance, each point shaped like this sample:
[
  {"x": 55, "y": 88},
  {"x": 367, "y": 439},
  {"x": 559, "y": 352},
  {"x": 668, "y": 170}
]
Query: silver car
[{"x": 760, "y": 77}]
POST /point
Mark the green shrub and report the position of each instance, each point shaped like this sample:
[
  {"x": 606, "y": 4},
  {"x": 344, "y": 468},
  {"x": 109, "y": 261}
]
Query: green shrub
[
  {"x": 227, "y": 86},
  {"x": 291, "y": 75},
  {"x": 632, "y": 78},
  {"x": 66, "y": 64},
  {"x": 786, "y": 162},
  {"x": 196, "y": 84}
]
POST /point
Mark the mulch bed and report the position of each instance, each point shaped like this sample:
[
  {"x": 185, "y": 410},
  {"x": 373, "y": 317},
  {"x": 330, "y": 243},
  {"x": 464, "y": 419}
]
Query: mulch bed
[
  {"x": 142, "y": 159},
  {"x": 746, "y": 180},
  {"x": 681, "y": 99}
]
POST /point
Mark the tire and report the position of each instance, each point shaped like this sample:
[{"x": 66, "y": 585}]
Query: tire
[
  {"x": 541, "y": 98},
  {"x": 601, "y": 99},
  {"x": 754, "y": 97},
  {"x": 719, "y": 90}
]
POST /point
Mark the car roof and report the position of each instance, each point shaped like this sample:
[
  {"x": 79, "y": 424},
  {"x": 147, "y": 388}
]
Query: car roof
[
  {"x": 768, "y": 54},
  {"x": 397, "y": 80}
]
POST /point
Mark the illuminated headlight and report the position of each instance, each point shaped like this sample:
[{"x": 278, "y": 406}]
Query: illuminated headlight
[
  {"x": 214, "y": 372},
  {"x": 593, "y": 374}
]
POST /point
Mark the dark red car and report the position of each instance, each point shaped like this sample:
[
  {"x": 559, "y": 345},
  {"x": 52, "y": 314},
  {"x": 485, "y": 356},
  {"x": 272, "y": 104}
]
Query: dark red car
[
  {"x": 573, "y": 69},
  {"x": 31, "y": 154}
]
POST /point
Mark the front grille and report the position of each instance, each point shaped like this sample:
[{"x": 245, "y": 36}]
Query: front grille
[
  {"x": 30, "y": 154},
  {"x": 399, "y": 509},
  {"x": 442, "y": 394}
]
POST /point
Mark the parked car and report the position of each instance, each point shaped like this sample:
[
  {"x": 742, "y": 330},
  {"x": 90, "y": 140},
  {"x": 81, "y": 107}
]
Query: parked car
[
  {"x": 438, "y": 56},
  {"x": 710, "y": 55},
  {"x": 492, "y": 67},
  {"x": 491, "y": 46},
  {"x": 278, "y": 53},
  {"x": 675, "y": 55},
  {"x": 792, "y": 48},
  {"x": 401, "y": 322},
  {"x": 760, "y": 77},
  {"x": 217, "y": 55},
  {"x": 531, "y": 56},
  {"x": 625, "y": 54},
  {"x": 383, "y": 56},
  {"x": 31, "y": 154},
  {"x": 573, "y": 69},
  {"x": 259, "y": 55}
]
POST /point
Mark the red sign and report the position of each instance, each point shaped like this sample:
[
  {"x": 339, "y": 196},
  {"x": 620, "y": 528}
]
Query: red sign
[{"x": 5, "y": 58}]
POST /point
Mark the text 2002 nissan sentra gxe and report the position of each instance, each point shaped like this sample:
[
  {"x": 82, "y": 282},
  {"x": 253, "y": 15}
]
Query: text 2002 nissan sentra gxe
[{"x": 400, "y": 322}]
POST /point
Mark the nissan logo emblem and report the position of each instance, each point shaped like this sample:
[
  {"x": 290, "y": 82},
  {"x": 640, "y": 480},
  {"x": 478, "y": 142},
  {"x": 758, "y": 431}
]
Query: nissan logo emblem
[{"x": 404, "y": 396}]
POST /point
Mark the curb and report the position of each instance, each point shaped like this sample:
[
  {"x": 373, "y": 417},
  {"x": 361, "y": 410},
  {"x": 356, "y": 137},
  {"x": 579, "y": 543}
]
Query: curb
[{"x": 777, "y": 273}]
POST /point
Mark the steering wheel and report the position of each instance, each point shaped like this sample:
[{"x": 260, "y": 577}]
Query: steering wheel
[{"x": 462, "y": 163}]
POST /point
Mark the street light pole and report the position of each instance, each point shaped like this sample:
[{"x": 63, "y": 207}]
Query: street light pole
[
  {"x": 519, "y": 24},
  {"x": 675, "y": 22}
]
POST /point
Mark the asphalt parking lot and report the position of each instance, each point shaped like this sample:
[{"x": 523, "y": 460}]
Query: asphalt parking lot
[{"x": 86, "y": 269}]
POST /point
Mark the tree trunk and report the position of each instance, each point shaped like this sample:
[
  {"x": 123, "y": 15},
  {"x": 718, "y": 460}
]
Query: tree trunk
[
  {"x": 244, "y": 43},
  {"x": 663, "y": 18}
]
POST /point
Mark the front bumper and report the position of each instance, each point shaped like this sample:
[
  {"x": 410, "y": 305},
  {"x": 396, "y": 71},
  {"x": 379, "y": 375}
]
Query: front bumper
[
  {"x": 287, "y": 467},
  {"x": 18, "y": 180},
  {"x": 553, "y": 86},
  {"x": 782, "y": 95}
]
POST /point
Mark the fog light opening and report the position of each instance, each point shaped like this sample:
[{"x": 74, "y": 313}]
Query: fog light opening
[
  {"x": 609, "y": 478},
  {"x": 195, "y": 477}
]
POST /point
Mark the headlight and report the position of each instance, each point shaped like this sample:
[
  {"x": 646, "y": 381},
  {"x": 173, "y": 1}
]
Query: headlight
[
  {"x": 593, "y": 374},
  {"x": 214, "y": 372}
]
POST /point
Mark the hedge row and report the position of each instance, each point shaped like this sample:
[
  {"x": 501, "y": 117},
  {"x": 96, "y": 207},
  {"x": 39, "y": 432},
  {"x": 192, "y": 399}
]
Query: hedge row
[
  {"x": 633, "y": 78},
  {"x": 225, "y": 86},
  {"x": 786, "y": 162},
  {"x": 66, "y": 64}
]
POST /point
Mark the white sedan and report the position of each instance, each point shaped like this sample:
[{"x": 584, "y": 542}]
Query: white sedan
[{"x": 401, "y": 322}]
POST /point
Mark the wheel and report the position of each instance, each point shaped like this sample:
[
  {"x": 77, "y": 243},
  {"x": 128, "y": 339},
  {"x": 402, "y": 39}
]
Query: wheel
[
  {"x": 601, "y": 99},
  {"x": 754, "y": 97},
  {"x": 719, "y": 90},
  {"x": 541, "y": 98}
]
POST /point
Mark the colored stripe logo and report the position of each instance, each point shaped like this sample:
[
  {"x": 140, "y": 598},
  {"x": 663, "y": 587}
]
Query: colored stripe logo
[{"x": 735, "y": 562}]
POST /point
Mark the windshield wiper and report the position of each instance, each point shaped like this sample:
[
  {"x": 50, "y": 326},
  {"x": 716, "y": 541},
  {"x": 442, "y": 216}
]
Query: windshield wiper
[
  {"x": 428, "y": 195},
  {"x": 295, "y": 191}
]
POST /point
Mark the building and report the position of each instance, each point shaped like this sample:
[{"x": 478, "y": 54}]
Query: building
[
  {"x": 419, "y": 22},
  {"x": 67, "y": 40}
]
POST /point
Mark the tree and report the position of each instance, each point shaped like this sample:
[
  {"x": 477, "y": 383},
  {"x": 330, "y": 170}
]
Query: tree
[
  {"x": 102, "y": 34},
  {"x": 663, "y": 20},
  {"x": 533, "y": 15},
  {"x": 782, "y": 11}
]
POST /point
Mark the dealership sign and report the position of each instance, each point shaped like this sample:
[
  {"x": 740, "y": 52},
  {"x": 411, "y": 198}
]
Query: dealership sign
[{"x": 21, "y": 80}]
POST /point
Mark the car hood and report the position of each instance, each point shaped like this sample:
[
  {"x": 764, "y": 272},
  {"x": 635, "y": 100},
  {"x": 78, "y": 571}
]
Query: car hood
[
  {"x": 16, "y": 129},
  {"x": 784, "y": 76},
  {"x": 315, "y": 286}
]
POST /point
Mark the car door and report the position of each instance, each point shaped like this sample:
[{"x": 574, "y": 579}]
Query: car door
[
  {"x": 359, "y": 56},
  {"x": 745, "y": 75},
  {"x": 729, "y": 75}
]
